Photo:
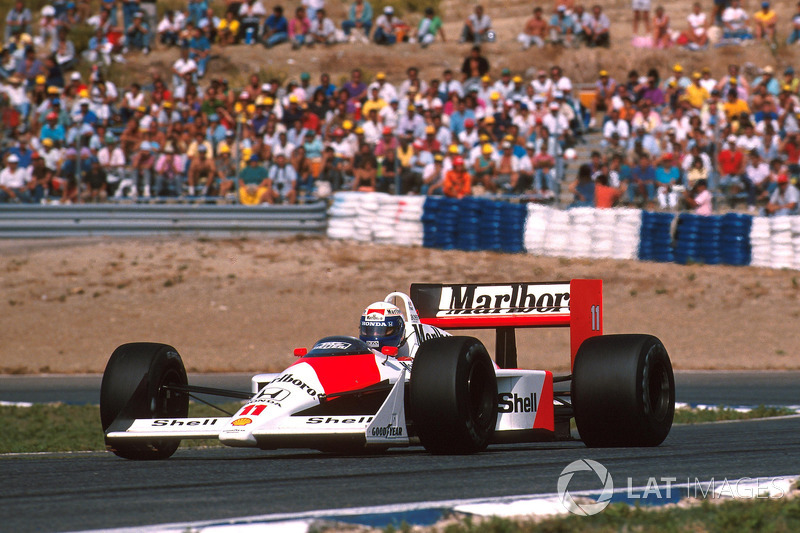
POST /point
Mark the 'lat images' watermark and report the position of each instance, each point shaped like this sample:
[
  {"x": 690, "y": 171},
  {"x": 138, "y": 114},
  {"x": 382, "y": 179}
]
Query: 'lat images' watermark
[{"x": 659, "y": 489}]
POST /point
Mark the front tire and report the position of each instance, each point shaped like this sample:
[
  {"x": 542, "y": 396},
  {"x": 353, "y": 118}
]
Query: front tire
[
  {"x": 453, "y": 395},
  {"x": 132, "y": 388},
  {"x": 623, "y": 391}
]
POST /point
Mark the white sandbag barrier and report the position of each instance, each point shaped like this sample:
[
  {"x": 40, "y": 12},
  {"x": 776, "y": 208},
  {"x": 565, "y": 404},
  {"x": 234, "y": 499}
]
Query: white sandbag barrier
[
  {"x": 775, "y": 242},
  {"x": 376, "y": 217},
  {"x": 583, "y": 232}
]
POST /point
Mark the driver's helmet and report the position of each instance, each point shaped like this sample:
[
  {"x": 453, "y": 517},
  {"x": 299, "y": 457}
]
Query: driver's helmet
[{"x": 382, "y": 325}]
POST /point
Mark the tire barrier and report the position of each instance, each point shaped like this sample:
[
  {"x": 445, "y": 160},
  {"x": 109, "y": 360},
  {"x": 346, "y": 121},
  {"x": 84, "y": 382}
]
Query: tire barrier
[
  {"x": 473, "y": 224},
  {"x": 655, "y": 242}
]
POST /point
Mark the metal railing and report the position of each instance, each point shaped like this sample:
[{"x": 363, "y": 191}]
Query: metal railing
[{"x": 85, "y": 220}]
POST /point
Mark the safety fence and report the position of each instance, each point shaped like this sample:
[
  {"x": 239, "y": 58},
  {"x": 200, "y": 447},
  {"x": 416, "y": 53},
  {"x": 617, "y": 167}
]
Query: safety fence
[
  {"x": 34, "y": 221},
  {"x": 483, "y": 224}
]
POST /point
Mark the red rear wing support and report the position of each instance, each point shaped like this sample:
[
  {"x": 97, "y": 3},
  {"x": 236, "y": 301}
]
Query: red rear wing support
[{"x": 577, "y": 304}]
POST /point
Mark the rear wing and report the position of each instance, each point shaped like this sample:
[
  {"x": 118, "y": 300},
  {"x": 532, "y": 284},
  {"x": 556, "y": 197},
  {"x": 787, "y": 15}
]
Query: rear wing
[{"x": 577, "y": 304}]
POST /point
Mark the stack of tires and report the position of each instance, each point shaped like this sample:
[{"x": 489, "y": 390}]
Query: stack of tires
[
  {"x": 687, "y": 249},
  {"x": 471, "y": 220},
  {"x": 512, "y": 235},
  {"x": 656, "y": 237},
  {"x": 698, "y": 239},
  {"x": 440, "y": 218},
  {"x": 735, "y": 239}
]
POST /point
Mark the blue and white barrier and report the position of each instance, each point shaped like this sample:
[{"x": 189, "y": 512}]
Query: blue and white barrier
[{"x": 473, "y": 224}]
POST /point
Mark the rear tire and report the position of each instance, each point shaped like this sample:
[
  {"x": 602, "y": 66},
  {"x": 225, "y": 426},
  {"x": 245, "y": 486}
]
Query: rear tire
[
  {"x": 623, "y": 391},
  {"x": 453, "y": 395},
  {"x": 132, "y": 388}
]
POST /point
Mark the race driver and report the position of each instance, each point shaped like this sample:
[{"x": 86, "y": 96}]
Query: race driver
[{"x": 382, "y": 324}]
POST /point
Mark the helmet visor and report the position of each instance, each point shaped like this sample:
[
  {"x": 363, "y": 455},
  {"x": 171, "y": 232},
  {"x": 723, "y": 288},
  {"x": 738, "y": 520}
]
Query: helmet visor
[{"x": 379, "y": 329}]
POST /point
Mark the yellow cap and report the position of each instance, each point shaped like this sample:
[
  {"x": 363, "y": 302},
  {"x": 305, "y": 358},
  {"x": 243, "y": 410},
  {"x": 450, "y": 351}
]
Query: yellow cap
[
  {"x": 47, "y": 142},
  {"x": 495, "y": 95},
  {"x": 489, "y": 120},
  {"x": 486, "y": 79},
  {"x": 142, "y": 108},
  {"x": 53, "y": 90},
  {"x": 787, "y": 88},
  {"x": 83, "y": 93},
  {"x": 347, "y": 124},
  {"x": 359, "y": 130},
  {"x": 677, "y": 68},
  {"x": 430, "y": 129},
  {"x": 167, "y": 105},
  {"x": 238, "y": 107},
  {"x": 268, "y": 100},
  {"x": 380, "y": 76},
  {"x": 604, "y": 73},
  {"x": 224, "y": 149},
  {"x": 483, "y": 137},
  {"x": 517, "y": 79},
  {"x": 251, "y": 109},
  {"x": 293, "y": 99},
  {"x": 40, "y": 80},
  {"x": 487, "y": 149},
  {"x": 673, "y": 83},
  {"x": 453, "y": 149},
  {"x": 696, "y": 75}
]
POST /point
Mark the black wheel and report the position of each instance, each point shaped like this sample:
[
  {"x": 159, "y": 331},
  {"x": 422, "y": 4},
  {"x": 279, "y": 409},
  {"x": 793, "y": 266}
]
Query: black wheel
[
  {"x": 623, "y": 391},
  {"x": 132, "y": 388},
  {"x": 453, "y": 395}
]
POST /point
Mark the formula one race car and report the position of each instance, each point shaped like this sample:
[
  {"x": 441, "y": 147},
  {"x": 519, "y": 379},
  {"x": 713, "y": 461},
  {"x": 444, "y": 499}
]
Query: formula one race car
[{"x": 407, "y": 381}]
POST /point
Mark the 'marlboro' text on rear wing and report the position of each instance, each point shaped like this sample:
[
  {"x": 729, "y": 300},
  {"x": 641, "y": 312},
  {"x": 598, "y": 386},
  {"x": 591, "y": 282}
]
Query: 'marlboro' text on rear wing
[{"x": 577, "y": 304}]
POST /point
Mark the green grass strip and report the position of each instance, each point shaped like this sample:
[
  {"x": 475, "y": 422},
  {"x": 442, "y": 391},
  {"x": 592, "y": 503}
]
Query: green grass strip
[{"x": 764, "y": 515}]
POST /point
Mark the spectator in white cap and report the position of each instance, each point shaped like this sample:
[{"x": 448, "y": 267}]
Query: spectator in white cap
[
  {"x": 14, "y": 182},
  {"x": 385, "y": 27}
]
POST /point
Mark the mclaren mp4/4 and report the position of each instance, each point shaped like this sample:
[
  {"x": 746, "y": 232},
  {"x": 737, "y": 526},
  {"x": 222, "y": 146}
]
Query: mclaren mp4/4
[{"x": 432, "y": 388}]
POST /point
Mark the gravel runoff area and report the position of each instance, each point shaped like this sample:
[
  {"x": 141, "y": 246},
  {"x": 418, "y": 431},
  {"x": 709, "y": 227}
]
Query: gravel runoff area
[{"x": 243, "y": 304}]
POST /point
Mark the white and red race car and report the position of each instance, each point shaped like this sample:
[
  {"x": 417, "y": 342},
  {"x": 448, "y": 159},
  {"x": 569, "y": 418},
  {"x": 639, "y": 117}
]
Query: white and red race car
[{"x": 435, "y": 389}]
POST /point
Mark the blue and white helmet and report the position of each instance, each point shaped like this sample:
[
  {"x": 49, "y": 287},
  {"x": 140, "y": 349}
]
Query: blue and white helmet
[{"x": 382, "y": 325}]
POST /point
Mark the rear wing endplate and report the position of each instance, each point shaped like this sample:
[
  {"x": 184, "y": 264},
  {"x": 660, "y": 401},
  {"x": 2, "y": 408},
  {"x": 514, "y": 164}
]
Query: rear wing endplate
[{"x": 577, "y": 304}]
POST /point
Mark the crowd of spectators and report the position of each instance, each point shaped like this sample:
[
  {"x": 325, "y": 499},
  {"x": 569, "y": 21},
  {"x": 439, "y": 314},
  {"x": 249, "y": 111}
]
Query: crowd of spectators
[{"x": 688, "y": 140}]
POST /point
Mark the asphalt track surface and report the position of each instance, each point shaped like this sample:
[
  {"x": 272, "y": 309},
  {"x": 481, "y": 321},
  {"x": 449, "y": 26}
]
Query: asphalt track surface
[{"x": 63, "y": 492}]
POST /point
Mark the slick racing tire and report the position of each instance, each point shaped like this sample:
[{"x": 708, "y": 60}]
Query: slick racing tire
[
  {"x": 623, "y": 391},
  {"x": 132, "y": 388},
  {"x": 453, "y": 395}
]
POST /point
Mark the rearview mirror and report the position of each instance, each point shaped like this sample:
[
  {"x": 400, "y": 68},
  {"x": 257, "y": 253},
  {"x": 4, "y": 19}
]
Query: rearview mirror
[
  {"x": 390, "y": 351},
  {"x": 300, "y": 352}
]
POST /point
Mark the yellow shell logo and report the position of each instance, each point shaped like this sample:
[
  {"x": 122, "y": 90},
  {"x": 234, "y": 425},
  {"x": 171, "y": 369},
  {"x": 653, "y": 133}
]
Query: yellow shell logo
[{"x": 242, "y": 422}]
